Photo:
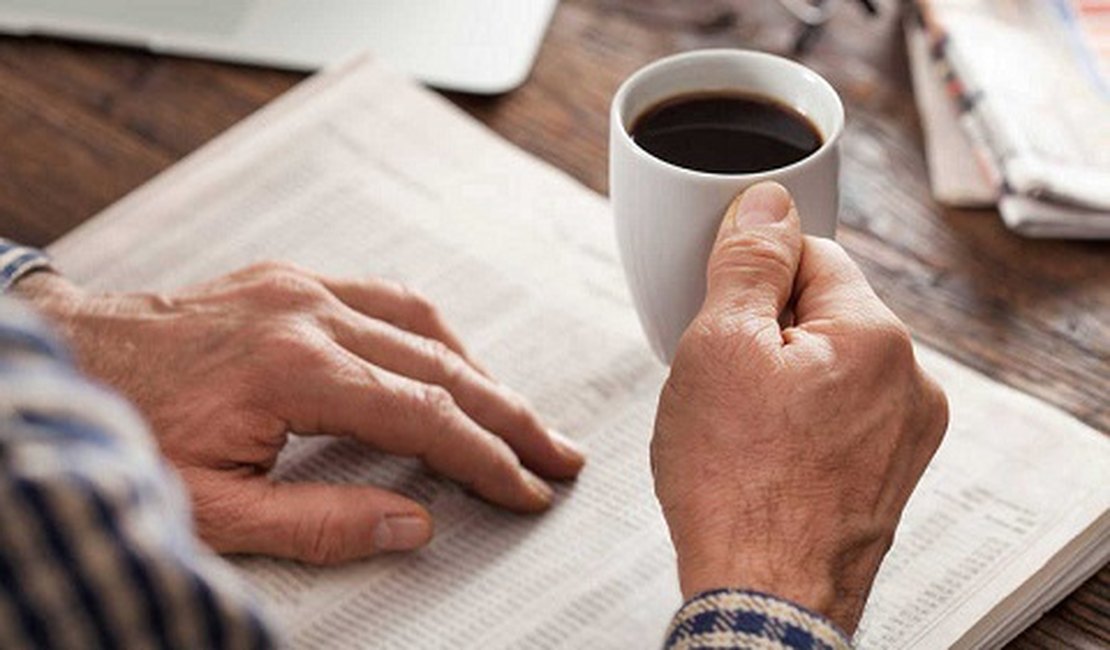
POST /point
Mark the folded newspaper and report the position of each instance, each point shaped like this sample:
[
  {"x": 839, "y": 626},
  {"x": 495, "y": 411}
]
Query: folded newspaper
[{"x": 1014, "y": 97}]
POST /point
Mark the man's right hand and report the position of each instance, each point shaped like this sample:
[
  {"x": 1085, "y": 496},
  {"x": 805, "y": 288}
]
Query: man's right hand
[{"x": 795, "y": 422}]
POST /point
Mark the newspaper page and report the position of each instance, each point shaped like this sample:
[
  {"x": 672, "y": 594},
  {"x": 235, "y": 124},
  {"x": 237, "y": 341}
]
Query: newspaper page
[
  {"x": 963, "y": 171},
  {"x": 1033, "y": 93},
  {"x": 358, "y": 172}
]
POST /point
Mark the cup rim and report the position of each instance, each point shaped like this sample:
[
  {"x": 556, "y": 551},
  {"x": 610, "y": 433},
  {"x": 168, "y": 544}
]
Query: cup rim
[{"x": 738, "y": 53}]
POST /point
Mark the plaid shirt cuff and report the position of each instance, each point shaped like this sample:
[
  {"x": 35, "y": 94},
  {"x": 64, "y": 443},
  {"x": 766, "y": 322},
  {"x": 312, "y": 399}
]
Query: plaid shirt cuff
[
  {"x": 730, "y": 618},
  {"x": 17, "y": 261}
]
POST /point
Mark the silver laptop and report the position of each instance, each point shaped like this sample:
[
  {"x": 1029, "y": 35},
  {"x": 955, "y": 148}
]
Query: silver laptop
[{"x": 481, "y": 46}]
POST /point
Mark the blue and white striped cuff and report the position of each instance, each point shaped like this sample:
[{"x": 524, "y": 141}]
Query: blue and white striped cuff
[
  {"x": 730, "y": 618},
  {"x": 17, "y": 261}
]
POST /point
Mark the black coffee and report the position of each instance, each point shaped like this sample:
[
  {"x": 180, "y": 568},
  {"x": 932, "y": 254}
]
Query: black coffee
[{"x": 725, "y": 133}]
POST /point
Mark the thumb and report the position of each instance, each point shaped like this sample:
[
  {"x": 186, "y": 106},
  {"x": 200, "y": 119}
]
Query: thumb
[
  {"x": 320, "y": 523},
  {"x": 755, "y": 258}
]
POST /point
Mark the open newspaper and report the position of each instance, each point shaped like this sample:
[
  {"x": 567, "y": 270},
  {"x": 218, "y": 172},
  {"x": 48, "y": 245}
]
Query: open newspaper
[{"x": 359, "y": 172}]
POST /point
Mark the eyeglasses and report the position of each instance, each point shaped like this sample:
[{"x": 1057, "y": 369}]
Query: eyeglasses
[{"x": 813, "y": 14}]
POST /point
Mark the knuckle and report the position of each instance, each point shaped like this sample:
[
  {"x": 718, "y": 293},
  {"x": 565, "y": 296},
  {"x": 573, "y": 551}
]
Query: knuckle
[
  {"x": 292, "y": 286},
  {"x": 713, "y": 358},
  {"x": 702, "y": 348},
  {"x": 830, "y": 260},
  {"x": 288, "y": 335},
  {"x": 512, "y": 411},
  {"x": 892, "y": 340},
  {"x": 446, "y": 362},
  {"x": 503, "y": 463},
  {"x": 281, "y": 285},
  {"x": 707, "y": 334},
  {"x": 419, "y": 308},
  {"x": 451, "y": 369},
  {"x": 286, "y": 346},
  {"x": 501, "y": 456},
  {"x": 826, "y": 247},
  {"x": 701, "y": 340},
  {"x": 752, "y": 253},
  {"x": 436, "y": 402},
  {"x": 939, "y": 412},
  {"x": 828, "y": 252},
  {"x": 272, "y": 267},
  {"x": 521, "y": 413},
  {"x": 319, "y": 544},
  {"x": 720, "y": 338},
  {"x": 213, "y": 509}
]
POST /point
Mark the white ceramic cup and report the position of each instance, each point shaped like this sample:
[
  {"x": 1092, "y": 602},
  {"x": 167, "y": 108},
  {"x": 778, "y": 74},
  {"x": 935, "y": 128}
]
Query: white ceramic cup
[{"x": 667, "y": 216}]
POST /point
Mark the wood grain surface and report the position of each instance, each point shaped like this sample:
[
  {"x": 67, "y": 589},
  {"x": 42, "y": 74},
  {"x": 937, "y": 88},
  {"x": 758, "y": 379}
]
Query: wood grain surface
[{"x": 82, "y": 125}]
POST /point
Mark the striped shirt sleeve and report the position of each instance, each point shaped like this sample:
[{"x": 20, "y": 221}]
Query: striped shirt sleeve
[
  {"x": 17, "y": 261},
  {"x": 96, "y": 546},
  {"x": 734, "y": 618}
]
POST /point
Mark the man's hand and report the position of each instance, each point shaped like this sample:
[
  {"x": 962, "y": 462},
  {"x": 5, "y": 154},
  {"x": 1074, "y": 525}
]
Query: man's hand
[
  {"x": 795, "y": 422},
  {"x": 223, "y": 370}
]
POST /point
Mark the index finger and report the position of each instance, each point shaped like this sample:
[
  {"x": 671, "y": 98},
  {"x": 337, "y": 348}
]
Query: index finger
[
  {"x": 345, "y": 395},
  {"x": 831, "y": 287}
]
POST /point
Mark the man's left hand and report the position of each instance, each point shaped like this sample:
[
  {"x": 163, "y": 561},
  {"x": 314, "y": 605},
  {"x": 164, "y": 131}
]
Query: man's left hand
[{"x": 224, "y": 370}]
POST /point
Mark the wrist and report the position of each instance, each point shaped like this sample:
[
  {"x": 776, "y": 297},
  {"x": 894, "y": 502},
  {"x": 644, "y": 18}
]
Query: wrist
[
  {"x": 50, "y": 293},
  {"x": 101, "y": 330},
  {"x": 79, "y": 319},
  {"x": 813, "y": 589},
  {"x": 827, "y": 587}
]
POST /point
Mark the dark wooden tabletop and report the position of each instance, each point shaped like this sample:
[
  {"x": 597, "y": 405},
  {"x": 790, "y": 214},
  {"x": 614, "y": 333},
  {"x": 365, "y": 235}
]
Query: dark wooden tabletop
[{"x": 82, "y": 125}]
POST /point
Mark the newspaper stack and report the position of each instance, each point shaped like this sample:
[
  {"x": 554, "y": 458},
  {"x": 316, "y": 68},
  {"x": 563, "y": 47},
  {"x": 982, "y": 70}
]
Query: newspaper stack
[{"x": 1014, "y": 97}]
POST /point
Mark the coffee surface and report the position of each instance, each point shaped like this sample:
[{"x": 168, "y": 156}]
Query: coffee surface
[{"x": 725, "y": 133}]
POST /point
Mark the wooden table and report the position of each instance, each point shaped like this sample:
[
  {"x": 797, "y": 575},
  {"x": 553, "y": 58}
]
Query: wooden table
[{"x": 80, "y": 126}]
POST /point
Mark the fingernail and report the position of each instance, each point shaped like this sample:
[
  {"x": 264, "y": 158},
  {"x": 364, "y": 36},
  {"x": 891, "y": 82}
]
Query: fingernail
[
  {"x": 761, "y": 204},
  {"x": 401, "y": 533},
  {"x": 539, "y": 487},
  {"x": 567, "y": 447}
]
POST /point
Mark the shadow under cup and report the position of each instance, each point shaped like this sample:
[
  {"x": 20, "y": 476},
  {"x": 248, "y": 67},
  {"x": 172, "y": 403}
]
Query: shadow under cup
[{"x": 667, "y": 216}]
